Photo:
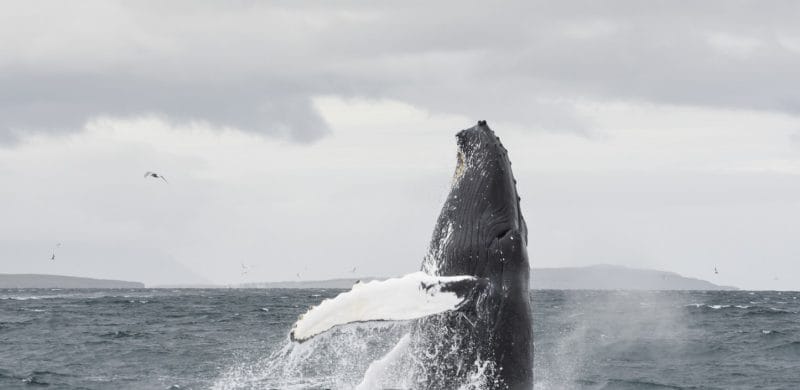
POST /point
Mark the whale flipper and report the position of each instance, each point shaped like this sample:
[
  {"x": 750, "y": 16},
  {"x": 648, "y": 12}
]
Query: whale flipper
[{"x": 410, "y": 297}]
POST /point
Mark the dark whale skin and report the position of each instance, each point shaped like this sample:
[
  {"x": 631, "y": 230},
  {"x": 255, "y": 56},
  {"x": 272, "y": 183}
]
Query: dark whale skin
[{"x": 480, "y": 232}]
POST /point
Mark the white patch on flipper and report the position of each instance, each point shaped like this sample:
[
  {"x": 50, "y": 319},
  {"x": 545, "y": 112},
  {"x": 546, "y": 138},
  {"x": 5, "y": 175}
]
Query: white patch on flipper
[{"x": 410, "y": 297}]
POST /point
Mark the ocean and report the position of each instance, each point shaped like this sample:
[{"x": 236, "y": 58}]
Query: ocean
[{"x": 237, "y": 339}]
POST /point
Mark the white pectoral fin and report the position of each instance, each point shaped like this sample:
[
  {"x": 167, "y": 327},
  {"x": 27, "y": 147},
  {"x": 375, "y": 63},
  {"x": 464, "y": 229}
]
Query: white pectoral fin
[{"x": 410, "y": 297}]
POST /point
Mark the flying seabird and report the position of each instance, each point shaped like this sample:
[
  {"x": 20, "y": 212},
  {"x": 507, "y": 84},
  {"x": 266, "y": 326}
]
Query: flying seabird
[
  {"x": 715, "y": 270},
  {"x": 155, "y": 176},
  {"x": 53, "y": 255}
]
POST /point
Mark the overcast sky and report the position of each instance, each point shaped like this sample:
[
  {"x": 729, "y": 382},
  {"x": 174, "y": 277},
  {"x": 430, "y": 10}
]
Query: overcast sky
[{"x": 311, "y": 138}]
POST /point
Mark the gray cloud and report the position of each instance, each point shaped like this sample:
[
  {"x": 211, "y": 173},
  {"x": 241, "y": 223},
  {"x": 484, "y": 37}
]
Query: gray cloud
[
  {"x": 64, "y": 102},
  {"x": 257, "y": 67}
]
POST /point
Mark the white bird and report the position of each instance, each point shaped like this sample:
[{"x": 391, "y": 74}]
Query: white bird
[
  {"x": 155, "y": 176},
  {"x": 244, "y": 269}
]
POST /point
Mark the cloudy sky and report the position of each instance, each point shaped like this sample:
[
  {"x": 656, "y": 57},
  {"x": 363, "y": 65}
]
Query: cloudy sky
[{"x": 311, "y": 138}]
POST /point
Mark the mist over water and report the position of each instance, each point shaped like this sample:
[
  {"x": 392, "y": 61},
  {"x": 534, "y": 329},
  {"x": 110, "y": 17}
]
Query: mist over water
[{"x": 237, "y": 339}]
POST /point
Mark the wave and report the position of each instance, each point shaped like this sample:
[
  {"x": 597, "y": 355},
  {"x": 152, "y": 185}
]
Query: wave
[
  {"x": 5, "y": 374},
  {"x": 624, "y": 384},
  {"x": 113, "y": 300},
  {"x": 42, "y": 378},
  {"x": 97, "y": 295},
  {"x": 119, "y": 334},
  {"x": 34, "y": 381},
  {"x": 752, "y": 309},
  {"x": 19, "y": 298},
  {"x": 789, "y": 350},
  {"x": 716, "y": 307},
  {"x": 768, "y": 311}
]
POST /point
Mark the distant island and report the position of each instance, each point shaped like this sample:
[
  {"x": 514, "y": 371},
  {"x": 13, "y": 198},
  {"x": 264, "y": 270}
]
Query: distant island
[
  {"x": 614, "y": 277},
  {"x": 596, "y": 277},
  {"x": 57, "y": 281}
]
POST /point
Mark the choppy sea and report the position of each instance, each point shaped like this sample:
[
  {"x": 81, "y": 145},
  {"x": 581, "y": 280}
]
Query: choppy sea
[{"x": 237, "y": 339}]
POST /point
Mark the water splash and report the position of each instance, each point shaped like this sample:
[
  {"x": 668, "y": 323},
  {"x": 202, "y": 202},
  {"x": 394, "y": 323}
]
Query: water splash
[
  {"x": 390, "y": 371},
  {"x": 336, "y": 359},
  {"x": 430, "y": 264}
]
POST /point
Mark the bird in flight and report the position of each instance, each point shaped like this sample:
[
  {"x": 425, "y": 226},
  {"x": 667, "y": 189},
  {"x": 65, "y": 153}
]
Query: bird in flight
[
  {"x": 244, "y": 269},
  {"x": 353, "y": 271},
  {"x": 155, "y": 176},
  {"x": 53, "y": 255},
  {"x": 715, "y": 270}
]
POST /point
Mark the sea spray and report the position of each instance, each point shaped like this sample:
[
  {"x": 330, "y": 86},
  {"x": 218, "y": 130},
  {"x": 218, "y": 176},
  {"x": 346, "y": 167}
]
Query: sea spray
[{"x": 335, "y": 359}]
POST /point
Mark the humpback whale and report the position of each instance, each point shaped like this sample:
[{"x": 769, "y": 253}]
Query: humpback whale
[{"x": 470, "y": 302}]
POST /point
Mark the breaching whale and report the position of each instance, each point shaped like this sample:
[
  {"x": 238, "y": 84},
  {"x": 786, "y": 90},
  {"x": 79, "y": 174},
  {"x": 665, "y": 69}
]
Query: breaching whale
[{"x": 470, "y": 302}]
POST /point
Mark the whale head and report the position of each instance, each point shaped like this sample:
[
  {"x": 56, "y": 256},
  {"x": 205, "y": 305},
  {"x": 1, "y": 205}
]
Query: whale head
[{"x": 482, "y": 207}]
